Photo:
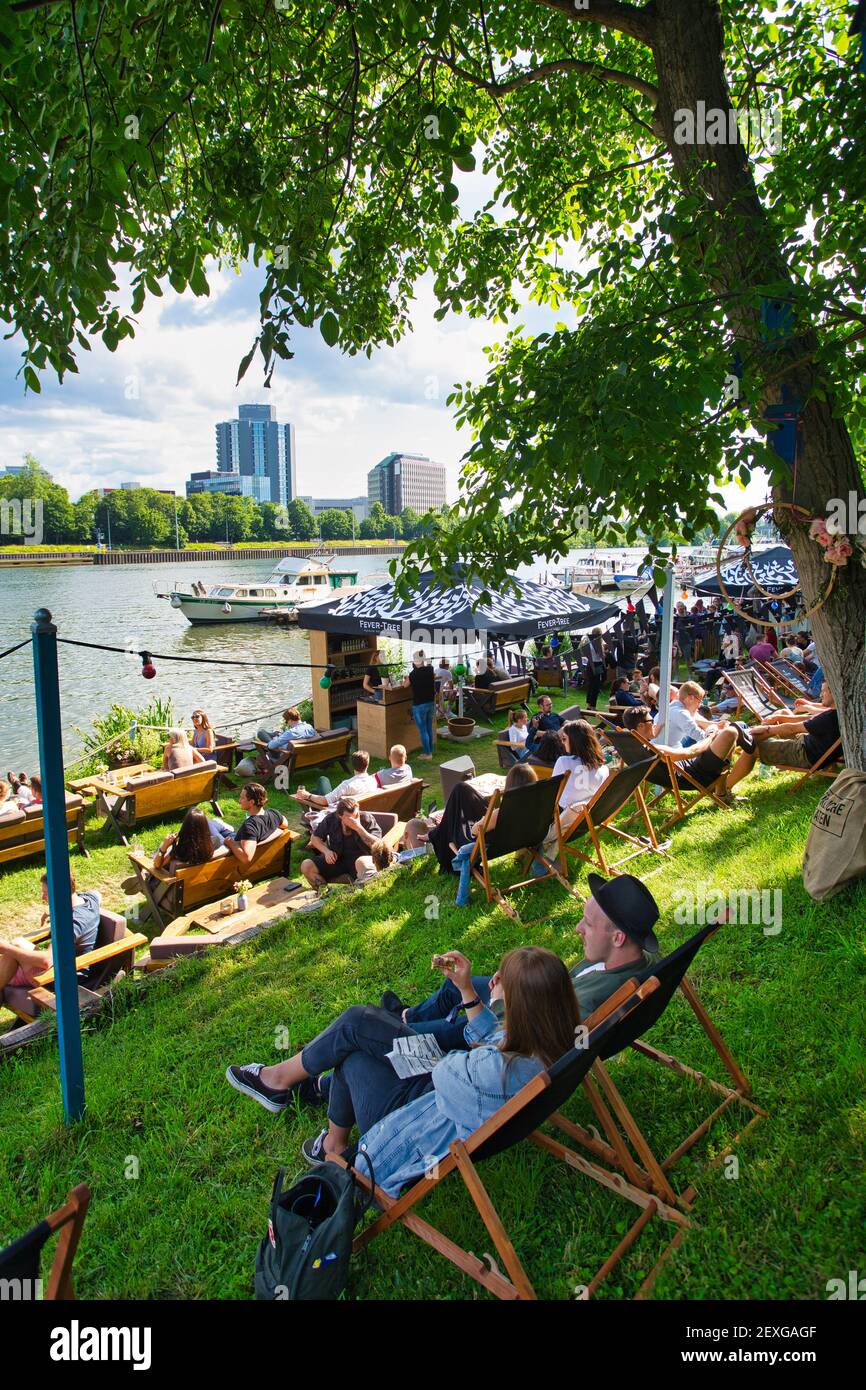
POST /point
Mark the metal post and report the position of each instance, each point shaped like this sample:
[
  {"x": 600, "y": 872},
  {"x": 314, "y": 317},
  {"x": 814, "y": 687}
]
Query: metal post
[
  {"x": 666, "y": 653},
  {"x": 176, "y": 529},
  {"x": 47, "y": 687},
  {"x": 108, "y": 515}
]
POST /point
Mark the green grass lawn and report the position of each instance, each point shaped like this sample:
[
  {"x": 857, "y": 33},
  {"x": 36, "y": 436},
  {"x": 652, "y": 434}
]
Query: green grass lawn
[{"x": 790, "y": 1007}]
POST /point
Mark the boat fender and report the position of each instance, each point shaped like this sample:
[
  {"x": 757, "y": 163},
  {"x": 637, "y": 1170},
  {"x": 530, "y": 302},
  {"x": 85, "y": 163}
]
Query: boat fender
[
  {"x": 227, "y": 608},
  {"x": 176, "y": 600}
]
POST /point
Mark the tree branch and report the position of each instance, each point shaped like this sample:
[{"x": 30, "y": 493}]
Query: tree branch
[
  {"x": 623, "y": 79},
  {"x": 639, "y": 23}
]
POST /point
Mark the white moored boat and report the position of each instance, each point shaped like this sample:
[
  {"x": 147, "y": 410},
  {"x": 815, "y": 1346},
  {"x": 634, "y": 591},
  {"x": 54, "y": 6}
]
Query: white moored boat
[{"x": 293, "y": 584}]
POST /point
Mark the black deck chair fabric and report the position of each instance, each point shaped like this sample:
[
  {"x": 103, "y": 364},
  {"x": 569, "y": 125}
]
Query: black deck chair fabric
[
  {"x": 745, "y": 685},
  {"x": 612, "y": 796},
  {"x": 565, "y": 1074},
  {"x": 524, "y": 817},
  {"x": 669, "y": 972},
  {"x": 20, "y": 1260},
  {"x": 787, "y": 671},
  {"x": 630, "y": 749}
]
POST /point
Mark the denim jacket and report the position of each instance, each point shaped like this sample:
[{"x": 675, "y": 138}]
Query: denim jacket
[{"x": 468, "y": 1087}]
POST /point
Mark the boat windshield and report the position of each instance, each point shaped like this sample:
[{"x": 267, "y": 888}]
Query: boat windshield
[{"x": 225, "y": 592}]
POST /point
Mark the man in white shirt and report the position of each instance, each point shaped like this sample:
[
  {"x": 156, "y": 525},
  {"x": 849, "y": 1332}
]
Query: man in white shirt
[
  {"x": 361, "y": 783},
  {"x": 399, "y": 772},
  {"x": 685, "y": 725}
]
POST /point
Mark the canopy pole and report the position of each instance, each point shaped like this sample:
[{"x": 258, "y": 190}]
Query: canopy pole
[
  {"x": 666, "y": 653},
  {"x": 47, "y": 687}
]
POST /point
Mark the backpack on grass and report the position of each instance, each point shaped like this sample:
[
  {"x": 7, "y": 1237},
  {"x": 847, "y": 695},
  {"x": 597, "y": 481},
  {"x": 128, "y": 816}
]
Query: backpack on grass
[
  {"x": 305, "y": 1254},
  {"x": 836, "y": 848}
]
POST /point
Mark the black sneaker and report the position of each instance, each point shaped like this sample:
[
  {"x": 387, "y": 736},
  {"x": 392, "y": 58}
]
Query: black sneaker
[
  {"x": 247, "y": 1079},
  {"x": 392, "y": 1003},
  {"x": 310, "y": 1091},
  {"x": 313, "y": 1150},
  {"x": 745, "y": 737}
]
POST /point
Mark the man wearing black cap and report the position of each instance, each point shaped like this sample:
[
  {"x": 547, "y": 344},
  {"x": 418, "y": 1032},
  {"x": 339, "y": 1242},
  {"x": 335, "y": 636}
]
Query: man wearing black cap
[{"x": 618, "y": 942}]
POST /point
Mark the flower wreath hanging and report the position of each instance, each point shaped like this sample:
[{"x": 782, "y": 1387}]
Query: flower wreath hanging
[{"x": 743, "y": 526}]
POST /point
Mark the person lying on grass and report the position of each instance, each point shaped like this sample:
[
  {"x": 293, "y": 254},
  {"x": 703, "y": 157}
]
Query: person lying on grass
[
  {"x": 618, "y": 942},
  {"x": 21, "y": 961},
  {"x": 408, "y": 1124}
]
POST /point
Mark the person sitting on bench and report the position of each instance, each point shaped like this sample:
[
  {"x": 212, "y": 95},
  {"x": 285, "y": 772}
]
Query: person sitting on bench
[
  {"x": 260, "y": 826},
  {"x": 179, "y": 753},
  {"x": 340, "y": 841},
  {"x": 406, "y": 1125},
  {"x": 704, "y": 762},
  {"x": 399, "y": 772},
  {"x": 618, "y": 943},
  {"x": 798, "y": 738},
  {"x": 199, "y": 836},
  {"x": 361, "y": 783},
  {"x": 21, "y": 961},
  {"x": 545, "y": 721}
]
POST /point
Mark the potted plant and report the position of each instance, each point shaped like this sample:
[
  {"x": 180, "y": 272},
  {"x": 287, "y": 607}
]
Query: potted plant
[
  {"x": 242, "y": 887},
  {"x": 460, "y": 726}
]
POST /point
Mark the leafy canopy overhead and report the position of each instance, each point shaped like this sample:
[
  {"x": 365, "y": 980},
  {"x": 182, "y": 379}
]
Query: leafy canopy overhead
[{"x": 142, "y": 137}]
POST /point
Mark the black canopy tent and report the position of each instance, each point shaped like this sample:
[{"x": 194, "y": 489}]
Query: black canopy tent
[
  {"x": 773, "y": 569},
  {"x": 455, "y": 615}
]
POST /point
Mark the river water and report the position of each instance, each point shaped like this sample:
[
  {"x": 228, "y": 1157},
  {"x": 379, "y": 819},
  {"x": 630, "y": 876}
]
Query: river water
[{"x": 117, "y": 605}]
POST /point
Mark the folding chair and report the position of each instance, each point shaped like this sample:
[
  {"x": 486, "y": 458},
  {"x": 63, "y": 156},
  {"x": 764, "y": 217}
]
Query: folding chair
[
  {"x": 754, "y": 694},
  {"x": 631, "y": 749},
  {"x": 20, "y": 1260},
  {"x": 516, "y": 1120},
  {"x": 524, "y": 816},
  {"x": 597, "y": 817},
  {"x": 627, "y": 1148},
  {"x": 779, "y": 671}
]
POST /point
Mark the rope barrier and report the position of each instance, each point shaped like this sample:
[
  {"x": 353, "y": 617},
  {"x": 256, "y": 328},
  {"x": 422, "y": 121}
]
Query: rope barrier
[
  {"x": 209, "y": 660},
  {"x": 10, "y": 650}
]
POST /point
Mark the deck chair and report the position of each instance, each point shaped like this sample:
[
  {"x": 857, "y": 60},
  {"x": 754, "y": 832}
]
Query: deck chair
[
  {"x": 20, "y": 1261},
  {"x": 754, "y": 694},
  {"x": 598, "y": 814},
  {"x": 627, "y": 1148},
  {"x": 516, "y": 1120},
  {"x": 781, "y": 672},
  {"x": 524, "y": 816},
  {"x": 632, "y": 749}
]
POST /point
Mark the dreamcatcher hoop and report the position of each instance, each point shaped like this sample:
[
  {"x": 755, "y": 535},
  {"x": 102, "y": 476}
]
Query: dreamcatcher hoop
[{"x": 753, "y": 513}]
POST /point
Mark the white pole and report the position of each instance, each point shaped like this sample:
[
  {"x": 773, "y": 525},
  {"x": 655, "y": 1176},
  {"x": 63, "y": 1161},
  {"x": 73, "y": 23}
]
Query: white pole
[{"x": 666, "y": 653}]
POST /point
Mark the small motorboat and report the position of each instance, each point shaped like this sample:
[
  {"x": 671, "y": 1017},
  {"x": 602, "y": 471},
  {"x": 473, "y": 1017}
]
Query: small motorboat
[{"x": 292, "y": 585}]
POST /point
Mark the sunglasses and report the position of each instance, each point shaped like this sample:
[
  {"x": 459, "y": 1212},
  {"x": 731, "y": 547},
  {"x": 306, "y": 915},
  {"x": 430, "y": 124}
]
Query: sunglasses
[{"x": 198, "y": 716}]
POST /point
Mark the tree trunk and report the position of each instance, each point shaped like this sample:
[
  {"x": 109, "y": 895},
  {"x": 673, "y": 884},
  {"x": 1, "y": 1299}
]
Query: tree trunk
[{"x": 688, "y": 44}]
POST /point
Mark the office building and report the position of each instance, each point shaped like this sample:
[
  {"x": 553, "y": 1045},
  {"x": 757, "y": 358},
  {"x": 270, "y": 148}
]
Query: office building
[
  {"x": 256, "y": 445},
  {"x": 407, "y": 480},
  {"x": 359, "y": 505},
  {"x": 232, "y": 484}
]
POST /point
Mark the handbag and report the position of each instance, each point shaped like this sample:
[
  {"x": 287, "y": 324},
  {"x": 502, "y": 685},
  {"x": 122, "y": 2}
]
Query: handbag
[{"x": 305, "y": 1254}]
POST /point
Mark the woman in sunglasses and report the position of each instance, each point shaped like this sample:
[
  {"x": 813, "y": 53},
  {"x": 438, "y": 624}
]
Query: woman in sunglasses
[{"x": 203, "y": 737}]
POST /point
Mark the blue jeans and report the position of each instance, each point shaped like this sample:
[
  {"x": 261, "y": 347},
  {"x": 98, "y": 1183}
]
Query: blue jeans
[
  {"x": 438, "y": 1013},
  {"x": 364, "y": 1087},
  {"x": 461, "y": 865},
  {"x": 423, "y": 716}
]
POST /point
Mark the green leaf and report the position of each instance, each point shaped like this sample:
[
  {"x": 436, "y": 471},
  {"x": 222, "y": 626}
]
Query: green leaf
[
  {"x": 329, "y": 328},
  {"x": 32, "y": 380}
]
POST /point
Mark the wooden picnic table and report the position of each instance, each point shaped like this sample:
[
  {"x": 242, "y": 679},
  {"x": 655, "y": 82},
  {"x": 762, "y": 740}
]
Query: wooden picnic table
[{"x": 268, "y": 902}]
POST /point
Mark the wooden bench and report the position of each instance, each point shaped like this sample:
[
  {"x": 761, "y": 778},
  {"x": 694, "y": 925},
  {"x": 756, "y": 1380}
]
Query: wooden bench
[
  {"x": 329, "y": 746},
  {"x": 114, "y": 951},
  {"x": 404, "y": 799},
  {"x": 23, "y": 835},
  {"x": 156, "y": 795},
  {"x": 498, "y": 696},
  {"x": 173, "y": 895},
  {"x": 548, "y": 677}
]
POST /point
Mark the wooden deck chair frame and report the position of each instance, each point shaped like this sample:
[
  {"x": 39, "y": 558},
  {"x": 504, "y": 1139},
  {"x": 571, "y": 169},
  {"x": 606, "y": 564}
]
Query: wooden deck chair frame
[
  {"x": 68, "y": 1220},
  {"x": 594, "y": 822},
  {"x": 515, "y": 1283},
  {"x": 627, "y": 1149},
  {"x": 779, "y": 671},
  {"x": 480, "y": 860},
  {"x": 756, "y": 700},
  {"x": 675, "y": 771}
]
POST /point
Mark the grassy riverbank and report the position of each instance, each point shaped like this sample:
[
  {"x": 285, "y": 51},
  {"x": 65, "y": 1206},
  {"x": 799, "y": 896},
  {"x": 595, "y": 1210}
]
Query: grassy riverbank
[{"x": 790, "y": 1007}]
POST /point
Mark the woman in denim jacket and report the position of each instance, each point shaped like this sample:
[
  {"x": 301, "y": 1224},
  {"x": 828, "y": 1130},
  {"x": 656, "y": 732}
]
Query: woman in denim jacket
[{"x": 408, "y": 1124}]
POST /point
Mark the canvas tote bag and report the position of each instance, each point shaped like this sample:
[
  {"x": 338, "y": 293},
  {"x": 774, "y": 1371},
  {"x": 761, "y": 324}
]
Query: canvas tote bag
[{"x": 836, "y": 847}]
